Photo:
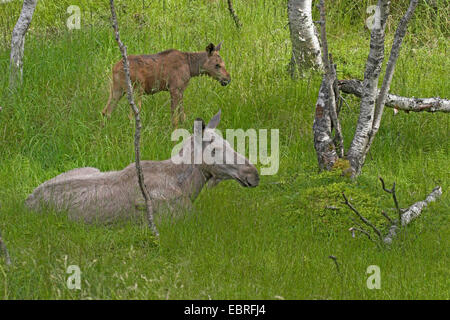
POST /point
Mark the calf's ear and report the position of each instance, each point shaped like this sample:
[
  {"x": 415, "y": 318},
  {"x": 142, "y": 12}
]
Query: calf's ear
[
  {"x": 217, "y": 48},
  {"x": 210, "y": 48}
]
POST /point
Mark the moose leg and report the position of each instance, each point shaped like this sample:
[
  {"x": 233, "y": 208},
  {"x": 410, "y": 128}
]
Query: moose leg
[
  {"x": 115, "y": 95},
  {"x": 177, "y": 97}
]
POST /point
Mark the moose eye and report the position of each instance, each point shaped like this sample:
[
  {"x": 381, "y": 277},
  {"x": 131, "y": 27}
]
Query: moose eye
[{"x": 217, "y": 66}]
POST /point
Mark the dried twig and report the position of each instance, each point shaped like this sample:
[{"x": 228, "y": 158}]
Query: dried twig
[
  {"x": 137, "y": 136},
  {"x": 353, "y": 229},
  {"x": 367, "y": 222},
  {"x": 394, "y": 196},
  {"x": 387, "y": 217},
  {"x": 335, "y": 262}
]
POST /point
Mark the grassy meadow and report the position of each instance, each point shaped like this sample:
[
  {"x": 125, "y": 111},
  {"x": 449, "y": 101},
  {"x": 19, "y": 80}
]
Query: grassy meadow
[{"x": 268, "y": 242}]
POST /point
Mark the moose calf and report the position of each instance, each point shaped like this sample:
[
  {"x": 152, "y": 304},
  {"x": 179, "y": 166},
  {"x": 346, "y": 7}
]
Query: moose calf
[{"x": 169, "y": 70}]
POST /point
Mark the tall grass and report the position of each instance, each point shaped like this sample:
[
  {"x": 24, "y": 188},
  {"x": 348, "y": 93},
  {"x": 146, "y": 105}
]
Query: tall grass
[{"x": 270, "y": 241}]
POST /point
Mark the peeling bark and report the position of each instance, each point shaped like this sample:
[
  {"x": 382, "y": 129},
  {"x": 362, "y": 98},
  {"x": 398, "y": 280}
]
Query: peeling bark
[
  {"x": 406, "y": 104},
  {"x": 326, "y": 115},
  {"x": 137, "y": 136},
  {"x": 323, "y": 141},
  {"x": 357, "y": 152},
  {"x": 18, "y": 42},
  {"x": 306, "y": 53}
]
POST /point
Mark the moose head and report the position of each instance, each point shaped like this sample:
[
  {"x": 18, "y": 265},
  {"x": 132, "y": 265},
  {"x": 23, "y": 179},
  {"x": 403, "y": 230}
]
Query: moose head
[{"x": 214, "y": 66}]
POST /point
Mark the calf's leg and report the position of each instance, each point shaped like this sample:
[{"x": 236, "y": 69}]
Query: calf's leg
[
  {"x": 176, "y": 106},
  {"x": 115, "y": 95}
]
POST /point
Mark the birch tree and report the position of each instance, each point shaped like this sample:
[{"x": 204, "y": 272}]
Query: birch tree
[
  {"x": 18, "y": 42},
  {"x": 306, "y": 52},
  {"x": 329, "y": 148}
]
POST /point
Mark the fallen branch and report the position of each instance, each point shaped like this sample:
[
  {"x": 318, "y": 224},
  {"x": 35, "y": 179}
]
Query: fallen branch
[
  {"x": 405, "y": 216},
  {"x": 137, "y": 136},
  {"x": 406, "y": 104},
  {"x": 234, "y": 15}
]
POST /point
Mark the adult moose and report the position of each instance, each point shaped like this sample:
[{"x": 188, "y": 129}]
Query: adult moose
[
  {"x": 90, "y": 195},
  {"x": 169, "y": 70}
]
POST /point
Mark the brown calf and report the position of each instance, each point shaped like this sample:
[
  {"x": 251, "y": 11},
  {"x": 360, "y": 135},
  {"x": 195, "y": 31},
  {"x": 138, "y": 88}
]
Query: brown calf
[{"x": 169, "y": 70}]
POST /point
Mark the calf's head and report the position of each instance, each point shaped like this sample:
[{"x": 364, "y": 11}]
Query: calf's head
[{"x": 214, "y": 66}]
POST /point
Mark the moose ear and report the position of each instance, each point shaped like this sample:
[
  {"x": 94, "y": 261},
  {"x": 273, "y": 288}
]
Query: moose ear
[
  {"x": 198, "y": 122},
  {"x": 217, "y": 48},
  {"x": 210, "y": 48},
  {"x": 214, "y": 122}
]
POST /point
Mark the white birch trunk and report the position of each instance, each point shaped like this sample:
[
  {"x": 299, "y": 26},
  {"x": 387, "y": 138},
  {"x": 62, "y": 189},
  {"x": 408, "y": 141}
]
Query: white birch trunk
[
  {"x": 18, "y": 42},
  {"x": 356, "y": 153},
  {"x": 395, "y": 51},
  {"x": 306, "y": 53}
]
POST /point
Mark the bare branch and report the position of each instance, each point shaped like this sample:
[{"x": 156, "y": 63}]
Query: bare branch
[
  {"x": 367, "y": 222},
  {"x": 234, "y": 15},
  {"x": 394, "y": 196},
  {"x": 353, "y": 229},
  {"x": 387, "y": 217},
  {"x": 4, "y": 250},
  {"x": 137, "y": 136},
  {"x": 406, "y": 104}
]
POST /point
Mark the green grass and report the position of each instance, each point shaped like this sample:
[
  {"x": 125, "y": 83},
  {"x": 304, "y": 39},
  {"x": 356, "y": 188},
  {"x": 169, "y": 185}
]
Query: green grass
[{"x": 236, "y": 243}]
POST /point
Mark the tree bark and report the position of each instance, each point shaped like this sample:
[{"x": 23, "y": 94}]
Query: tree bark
[
  {"x": 354, "y": 86},
  {"x": 137, "y": 136},
  {"x": 356, "y": 153},
  {"x": 328, "y": 149},
  {"x": 306, "y": 53},
  {"x": 18, "y": 42}
]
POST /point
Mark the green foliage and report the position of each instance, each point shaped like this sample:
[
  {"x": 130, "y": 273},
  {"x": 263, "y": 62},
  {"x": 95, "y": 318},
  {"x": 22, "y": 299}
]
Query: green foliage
[{"x": 258, "y": 243}]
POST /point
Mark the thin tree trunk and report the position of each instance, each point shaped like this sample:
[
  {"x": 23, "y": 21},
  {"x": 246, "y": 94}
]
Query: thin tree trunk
[
  {"x": 406, "y": 104},
  {"x": 395, "y": 51},
  {"x": 234, "y": 15},
  {"x": 137, "y": 136},
  {"x": 356, "y": 153},
  {"x": 306, "y": 53},
  {"x": 18, "y": 42},
  {"x": 326, "y": 115}
]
